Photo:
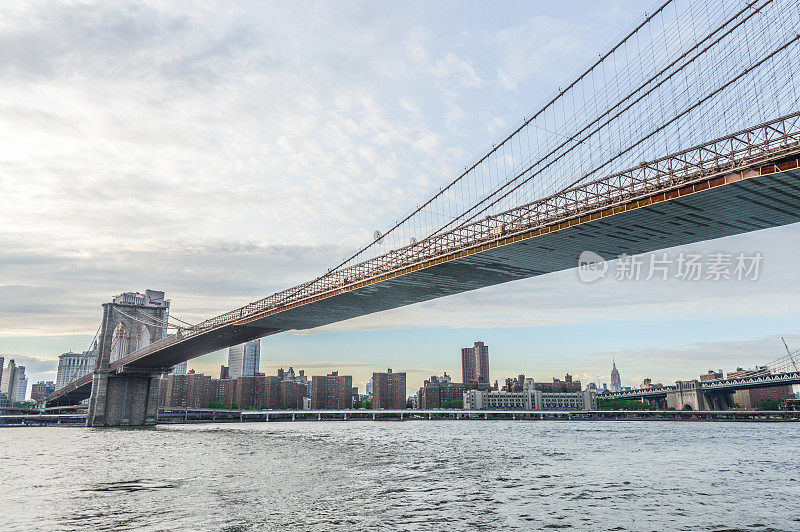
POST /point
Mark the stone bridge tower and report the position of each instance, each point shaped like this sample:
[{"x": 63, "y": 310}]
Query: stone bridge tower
[{"x": 131, "y": 321}]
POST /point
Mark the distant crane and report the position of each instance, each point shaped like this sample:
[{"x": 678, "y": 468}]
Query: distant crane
[{"x": 790, "y": 354}]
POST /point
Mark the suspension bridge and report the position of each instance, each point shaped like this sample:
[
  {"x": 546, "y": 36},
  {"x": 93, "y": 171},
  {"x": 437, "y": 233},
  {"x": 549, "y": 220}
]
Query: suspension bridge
[
  {"x": 686, "y": 129},
  {"x": 717, "y": 394}
]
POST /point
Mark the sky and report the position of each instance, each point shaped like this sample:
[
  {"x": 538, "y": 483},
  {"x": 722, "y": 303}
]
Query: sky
[{"x": 226, "y": 150}]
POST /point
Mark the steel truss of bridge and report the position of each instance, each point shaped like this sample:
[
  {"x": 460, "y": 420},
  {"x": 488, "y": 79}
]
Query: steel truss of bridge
[
  {"x": 743, "y": 182},
  {"x": 715, "y": 386}
]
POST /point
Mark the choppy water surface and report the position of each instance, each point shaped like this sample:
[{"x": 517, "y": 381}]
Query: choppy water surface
[{"x": 413, "y": 475}]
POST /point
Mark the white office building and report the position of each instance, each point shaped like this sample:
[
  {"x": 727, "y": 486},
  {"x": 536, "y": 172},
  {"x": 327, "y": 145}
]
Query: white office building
[
  {"x": 244, "y": 359},
  {"x": 179, "y": 369},
  {"x": 529, "y": 400},
  {"x": 73, "y": 366}
]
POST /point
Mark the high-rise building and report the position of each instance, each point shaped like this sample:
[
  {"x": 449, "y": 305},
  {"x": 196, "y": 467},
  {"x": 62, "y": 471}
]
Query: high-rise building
[
  {"x": 42, "y": 390},
  {"x": 616, "y": 382},
  {"x": 244, "y": 359},
  {"x": 475, "y": 364},
  {"x": 179, "y": 369},
  {"x": 299, "y": 378},
  {"x": 14, "y": 383},
  {"x": 331, "y": 392},
  {"x": 388, "y": 390},
  {"x": 257, "y": 391},
  {"x": 22, "y": 384},
  {"x": 73, "y": 366},
  {"x": 191, "y": 390},
  {"x": 221, "y": 391},
  {"x": 2, "y": 363},
  {"x": 292, "y": 394}
]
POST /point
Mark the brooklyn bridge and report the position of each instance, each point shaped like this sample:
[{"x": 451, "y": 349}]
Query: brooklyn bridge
[{"x": 685, "y": 130}]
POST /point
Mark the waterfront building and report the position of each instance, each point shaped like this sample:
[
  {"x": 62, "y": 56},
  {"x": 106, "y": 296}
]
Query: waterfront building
[
  {"x": 332, "y": 391},
  {"x": 191, "y": 390},
  {"x": 244, "y": 359},
  {"x": 616, "y": 381},
  {"x": 221, "y": 391},
  {"x": 2, "y": 363},
  {"x": 42, "y": 390},
  {"x": 257, "y": 391},
  {"x": 73, "y": 366},
  {"x": 529, "y": 399},
  {"x": 293, "y": 394},
  {"x": 389, "y": 390},
  {"x": 438, "y": 390},
  {"x": 751, "y": 398},
  {"x": 4, "y": 402},
  {"x": 475, "y": 364},
  {"x": 368, "y": 390}
]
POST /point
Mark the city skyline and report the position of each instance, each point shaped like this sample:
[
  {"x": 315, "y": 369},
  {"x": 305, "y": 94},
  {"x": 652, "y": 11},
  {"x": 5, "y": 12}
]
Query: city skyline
[{"x": 602, "y": 382}]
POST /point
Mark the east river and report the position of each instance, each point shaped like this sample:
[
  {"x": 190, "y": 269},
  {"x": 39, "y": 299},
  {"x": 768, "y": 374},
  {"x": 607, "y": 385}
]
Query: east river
[{"x": 411, "y": 475}]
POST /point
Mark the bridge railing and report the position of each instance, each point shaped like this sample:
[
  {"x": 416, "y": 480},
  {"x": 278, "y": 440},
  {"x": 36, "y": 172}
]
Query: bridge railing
[{"x": 742, "y": 150}]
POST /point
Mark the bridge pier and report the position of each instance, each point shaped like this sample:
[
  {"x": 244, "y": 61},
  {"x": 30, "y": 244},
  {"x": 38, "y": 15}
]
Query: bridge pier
[
  {"x": 129, "y": 398},
  {"x": 720, "y": 400},
  {"x": 123, "y": 400}
]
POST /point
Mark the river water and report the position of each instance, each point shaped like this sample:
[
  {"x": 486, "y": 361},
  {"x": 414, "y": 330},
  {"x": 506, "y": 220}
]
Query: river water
[{"x": 411, "y": 475}]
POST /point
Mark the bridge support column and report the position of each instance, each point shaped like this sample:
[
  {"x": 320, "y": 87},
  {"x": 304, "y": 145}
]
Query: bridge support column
[
  {"x": 119, "y": 399},
  {"x": 123, "y": 400}
]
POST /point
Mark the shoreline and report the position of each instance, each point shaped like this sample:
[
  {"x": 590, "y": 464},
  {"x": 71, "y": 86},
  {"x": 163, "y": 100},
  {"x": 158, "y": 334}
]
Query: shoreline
[{"x": 170, "y": 416}]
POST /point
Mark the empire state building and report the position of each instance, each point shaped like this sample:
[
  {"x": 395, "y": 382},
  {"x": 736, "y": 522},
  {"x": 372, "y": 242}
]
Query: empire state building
[{"x": 616, "y": 382}]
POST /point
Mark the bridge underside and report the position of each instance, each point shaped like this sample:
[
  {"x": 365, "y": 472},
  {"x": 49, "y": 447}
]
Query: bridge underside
[
  {"x": 759, "y": 201},
  {"x": 739, "y": 207}
]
